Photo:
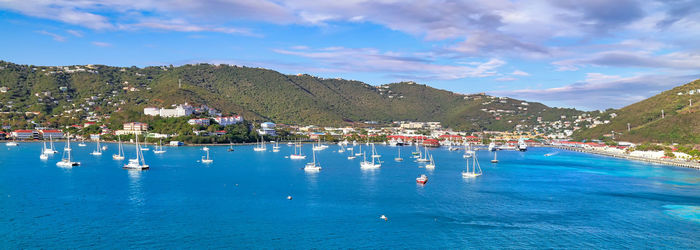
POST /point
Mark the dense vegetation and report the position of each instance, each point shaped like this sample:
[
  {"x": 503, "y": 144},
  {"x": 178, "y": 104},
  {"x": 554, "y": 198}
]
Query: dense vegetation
[
  {"x": 681, "y": 122},
  {"x": 257, "y": 94}
]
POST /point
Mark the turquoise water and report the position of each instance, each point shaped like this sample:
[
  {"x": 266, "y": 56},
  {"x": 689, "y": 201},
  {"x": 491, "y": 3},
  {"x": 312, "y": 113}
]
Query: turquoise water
[{"x": 568, "y": 200}]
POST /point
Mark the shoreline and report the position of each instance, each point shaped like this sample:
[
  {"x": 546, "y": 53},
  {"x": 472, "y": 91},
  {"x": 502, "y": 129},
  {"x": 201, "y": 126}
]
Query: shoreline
[{"x": 667, "y": 162}]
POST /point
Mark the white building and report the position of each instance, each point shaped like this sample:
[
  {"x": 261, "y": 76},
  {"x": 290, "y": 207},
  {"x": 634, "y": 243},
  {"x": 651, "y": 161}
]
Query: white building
[
  {"x": 179, "y": 111},
  {"x": 152, "y": 111},
  {"x": 267, "y": 128},
  {"x": 228, "y": 120},
  {"x": 199, "y": 121}
]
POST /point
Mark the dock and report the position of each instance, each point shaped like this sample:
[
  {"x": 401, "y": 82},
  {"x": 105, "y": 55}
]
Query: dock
[{"x": 669, "y": 162}]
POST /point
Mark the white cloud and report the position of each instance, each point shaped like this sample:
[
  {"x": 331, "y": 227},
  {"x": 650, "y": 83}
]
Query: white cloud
[
  {"x": 101, "y": 44},
  {"x": 340, "y": 59},
  {"x": 75, "y": 33},
  {"x": 520, "y": 73},
  {"x": 56, "y": 37},
  {"x": 601, "y": 91},
  {"x": 506, "y": 79}
]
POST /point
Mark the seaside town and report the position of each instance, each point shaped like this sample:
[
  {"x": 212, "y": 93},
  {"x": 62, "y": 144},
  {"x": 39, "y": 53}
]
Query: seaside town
[{"x": 209, "y": 126}]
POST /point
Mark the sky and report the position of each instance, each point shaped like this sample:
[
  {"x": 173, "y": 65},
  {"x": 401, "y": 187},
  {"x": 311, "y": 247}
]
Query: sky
[{"x": 593, "y": 54}]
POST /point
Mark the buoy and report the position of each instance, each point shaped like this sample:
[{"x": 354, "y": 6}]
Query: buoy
[
  {"x": 289, "y": 197},
  {"x": 383, "y": 217}
]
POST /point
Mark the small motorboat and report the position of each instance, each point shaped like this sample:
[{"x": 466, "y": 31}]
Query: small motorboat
[{"x": 422, "y": 179}]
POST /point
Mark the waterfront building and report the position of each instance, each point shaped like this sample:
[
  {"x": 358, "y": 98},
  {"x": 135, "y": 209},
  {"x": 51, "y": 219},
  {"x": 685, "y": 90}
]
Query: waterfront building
[
  {"x": 25, "y": 134},
  {"x": 179, "y": 111},
  {"x": 228, "y": 120},
  {"x": 135, "y": 128},
  {"x": 267, "y": 128},
  {"x": 51, "y": 133}
]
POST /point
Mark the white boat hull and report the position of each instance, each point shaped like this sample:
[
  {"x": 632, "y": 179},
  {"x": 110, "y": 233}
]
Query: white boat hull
[
  {"x": 67, "y": 164},
  {"x": 470, "y": 175},
  {"x": 297, "y": 157}
]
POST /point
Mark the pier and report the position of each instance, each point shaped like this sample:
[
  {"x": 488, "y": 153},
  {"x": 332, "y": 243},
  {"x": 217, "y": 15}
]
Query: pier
[{"x": 670, "y": 162}]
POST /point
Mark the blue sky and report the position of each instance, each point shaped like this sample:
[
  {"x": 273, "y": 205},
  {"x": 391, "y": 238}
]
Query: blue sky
[{"x": 593, "y": 54}]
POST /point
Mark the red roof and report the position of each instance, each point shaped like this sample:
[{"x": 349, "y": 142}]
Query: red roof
[
  {"x": 24, "y": 131},
  {"x": 221, "y": 131},
  {"x": 450, "y": 136},
  {"x": 471, "y": 137}
]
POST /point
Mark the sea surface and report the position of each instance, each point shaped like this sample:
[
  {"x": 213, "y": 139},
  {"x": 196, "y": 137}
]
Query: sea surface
[{"x": 528, "y": 200}]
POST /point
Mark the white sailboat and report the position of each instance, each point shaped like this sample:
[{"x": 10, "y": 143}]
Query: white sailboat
[
  {"x": 82, "y": 143},
  {"x": 50, "y": 150},
  {"x": 468, "y": 152},
  {"x": 276, "y": 147},
  {"x": 313, "y": 166},
  {"x": 145, "y": 148},
  {"x": 360, "y": 151},
  {"x": 120, "y": 153},
  {"x": 297, "y": 155},
  {"x": 416, "y": 153},
  {"x": 43, "y": 154},
  {"x": 495, "y": 157},
  {"x": 351, "y": 156},
  {"x": 319, "y": 146},
  {"x": 66, "y": 160},
  {"x": 159, "y": 148},
  {"x": 207, "y": 159},
  {"x": 475, "y": 169},
  {"x": 367, "y": 164},
  {"x": 430, "y": 165},
  {"x": 139, "y": 163},
  {"x": 398, "y": 157},
  {"x": 98, "y": 150},
  {"x": 230, "y": 148},
  {"x": 261, "y": 146},
  {"x": 374, "y": 152},
  {"x": 424, "y": 157},
  {"x": 12, "y": 143}
]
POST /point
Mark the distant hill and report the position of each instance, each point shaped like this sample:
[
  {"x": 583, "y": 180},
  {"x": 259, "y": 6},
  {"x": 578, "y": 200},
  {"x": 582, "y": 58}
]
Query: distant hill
[
  {"x": 680, "y": 125},
  {"x": 257, "y": 94}
]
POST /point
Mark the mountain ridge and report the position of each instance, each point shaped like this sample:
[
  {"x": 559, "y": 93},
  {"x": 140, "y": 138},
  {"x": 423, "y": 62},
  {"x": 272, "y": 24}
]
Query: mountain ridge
[
  {"x": 679, "y": 122},
  {"x": 258, "y": 94}
]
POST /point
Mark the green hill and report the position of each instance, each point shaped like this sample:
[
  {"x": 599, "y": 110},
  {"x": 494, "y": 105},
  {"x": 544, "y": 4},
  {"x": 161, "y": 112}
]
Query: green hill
[
  {"x": 681, "y": 123},
  {"x": 65, "y": 95}
]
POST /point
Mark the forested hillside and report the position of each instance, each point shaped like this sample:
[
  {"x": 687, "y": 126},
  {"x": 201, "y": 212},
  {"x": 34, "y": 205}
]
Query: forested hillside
[
  {"x": 257, "y": 94},
  {"x": 680, "y": 122}
]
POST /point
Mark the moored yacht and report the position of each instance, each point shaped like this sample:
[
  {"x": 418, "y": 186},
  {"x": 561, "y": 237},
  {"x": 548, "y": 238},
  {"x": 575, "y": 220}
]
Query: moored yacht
[
  {"x": 120, "y": 150},
  {"x": 139, "y": 163},
  {"x": 98, "y": 149},
  {"x": 313, "y": 166},
  {"x": 422, "y": 179},
  {"x": 297, "y": 155},
  {"x": 261, "y": 145},
  {"x": 66, "y": 161},
  {"x": 50, "y": 150},
  {"x": 367, "y": 164},
  {"x": 159, "y": 148},
  {"x": 207, "y": 159},
  {"x": 398, "y": 157},
  {"x": 430, "y": 165},
  {"x": 475, "y": 169}
]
